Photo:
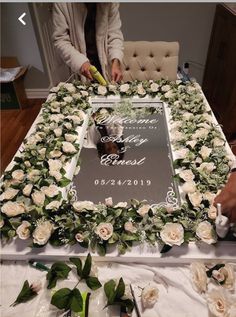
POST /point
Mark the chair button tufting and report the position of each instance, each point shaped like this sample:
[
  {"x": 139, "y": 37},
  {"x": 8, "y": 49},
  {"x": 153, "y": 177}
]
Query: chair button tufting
[
  {"x": 127, "y": 68},
  {"x": 158, "y": 70},
  {"x": 134, "y": 55},
  {"x": 142, "y": 69},
  {"x": 151, "y": 55},
  {"x": 167, "y": 55}
]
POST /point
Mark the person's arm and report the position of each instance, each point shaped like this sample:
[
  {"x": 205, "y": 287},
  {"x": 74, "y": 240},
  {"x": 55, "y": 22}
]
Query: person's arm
[
  {"x": 227, "y": 197},
  {"x": 115, "y": 42},
  {"x": 77, "y": 61}
]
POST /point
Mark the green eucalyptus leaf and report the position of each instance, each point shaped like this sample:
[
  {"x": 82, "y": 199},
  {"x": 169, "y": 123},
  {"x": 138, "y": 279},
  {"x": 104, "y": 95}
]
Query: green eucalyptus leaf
[
  {"x": 120, "y": 290},
  {"x": 87, "y": 266},
  {"x": 59, "y": 270},
  {"x": 61, "y": 299},
  {"x": 93, "y": 282},
  {"x": 109, "y": 289},
  {"x": 78, "y": 263},
  {"x": 26, "y": 294},
  {"x": 76, "y": 301}
]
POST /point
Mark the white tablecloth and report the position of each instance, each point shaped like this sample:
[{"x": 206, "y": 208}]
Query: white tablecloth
[{"x": 176, "y": 295}]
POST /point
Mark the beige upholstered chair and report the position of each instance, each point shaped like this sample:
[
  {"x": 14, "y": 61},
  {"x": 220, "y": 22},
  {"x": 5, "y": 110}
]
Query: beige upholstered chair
[{"x": 150, "y": 60}]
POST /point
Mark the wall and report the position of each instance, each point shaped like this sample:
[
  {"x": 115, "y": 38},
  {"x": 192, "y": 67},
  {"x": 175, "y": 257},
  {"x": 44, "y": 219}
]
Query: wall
[
  {"x": 19, "y": 40},
  {"x": 188, "y": 23}
]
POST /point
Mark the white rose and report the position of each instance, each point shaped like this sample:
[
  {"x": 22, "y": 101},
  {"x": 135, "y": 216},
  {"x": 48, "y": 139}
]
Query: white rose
[
  {"x": 9, "y": 194},
  {"x": 42, "y": 152},
  {"x": 219, "y": 302},
  {"x": 181, "y": 154},
  {"x": 198, "y": 277},
  {"x": 104, "y": 230},
  {"x": 109, "y": 202},
  {"x": 165, "y": 88},
  {"x": 102, "y": 90},
  {"x": 142, "y": 211},
  {"x": 206, "y": 167},
  {"x": 38, "y": 198},
  {"x": 50, "y": 191},
  {"x": 198, "y": 160},
  {"x": 55, "y": 104},
  {"x": 42, "y": 232},
  {"x": 84, "y": 93},
  {"x": 200, "y": 133},
  {"x": 121, "y": 205},
  {"x": 76, "y": 96},
  {"x": 177, "y": 136},
  {"x": 67, "y": 147},
  {"x": 55, "y": 153},
  {"x": 124, "y": 88},
  {"x": 212, "y": 212},
  {"x": 36, "y": 286},
  {"x": 54, "y": 165},
  {"x": 75, "y": 118},
  {"x": 129, "y": 227},
  {"x": 12, "y": 209},
  {"x": 204, "y": 125},
  {"x": 187, "y": 175},
  {"x": 27, "y": 163},
  {"x": 218, "y": 276},
  {"x": 79, "y": 237},
  {"x": 18, "y": 175},
  {"x": 205, "y": 152},
  {"x": 56, "y": 117},
  {"x": 169, "y": 94},
  {"x": 68, "y": 99},
  {"x": 154, "y": 87},
  {"x": 205, "y": 232},
  {"x": 112, "y": 88},
  {"x": 149, "y": 296},
  {"x": 33, "y": 175},
  {"x": 172, "y": 234},
  {"x": 140, "y": 90},
  {"x": 58, "y": 132},
  {"x": 70, "y": 137},
  {"x": 189, "y": 187},
  {"x": 209, "y": 196},
  {"x": 27, "y": 189},
  {"x": 84, "y": 205},
  {"x": 187, "y": 115},
  {"x": 55, "y": 204},
  {"x": 70, "y": 87},
  {"x": 57, "y": 175},
  {"x": 195, "y": 198},
  {"x": 207, "y": 117},
  {"x": 23, "y": 231},
  {"x": 68, "y": 125},
  {"x": 218, "y": 142},
  {"x": 191, "y": 143},
  {"x": 228, "y": 276}
]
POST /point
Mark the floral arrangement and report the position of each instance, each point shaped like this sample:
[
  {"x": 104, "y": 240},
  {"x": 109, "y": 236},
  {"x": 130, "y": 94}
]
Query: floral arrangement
[
  {"x": 216, "y": 283},
  {"x": 34, "y": 207}
]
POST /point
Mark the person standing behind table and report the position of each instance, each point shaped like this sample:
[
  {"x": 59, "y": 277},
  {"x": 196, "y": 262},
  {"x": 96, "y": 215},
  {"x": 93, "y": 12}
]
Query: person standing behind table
[
  {"x": 89, "y": 33},
  {"x": 227, "y": 197}
]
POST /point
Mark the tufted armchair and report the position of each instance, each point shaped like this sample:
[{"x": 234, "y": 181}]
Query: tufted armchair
[{"x": 150, "y": 60}]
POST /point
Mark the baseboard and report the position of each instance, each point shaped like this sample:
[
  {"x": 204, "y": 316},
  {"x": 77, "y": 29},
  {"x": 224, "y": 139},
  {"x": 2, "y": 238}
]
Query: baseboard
[{"x": 36, "y": 93}]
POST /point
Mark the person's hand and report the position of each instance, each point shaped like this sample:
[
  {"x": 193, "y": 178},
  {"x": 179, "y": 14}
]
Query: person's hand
[
  {"x": 227, "y": 198},
  {"x": 85, "y": 70},
  {"x": 116, "y": 72}
]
